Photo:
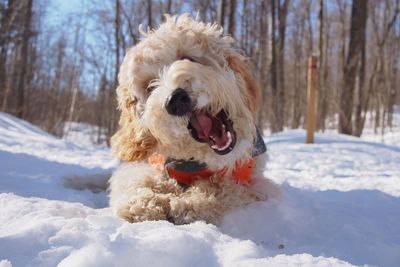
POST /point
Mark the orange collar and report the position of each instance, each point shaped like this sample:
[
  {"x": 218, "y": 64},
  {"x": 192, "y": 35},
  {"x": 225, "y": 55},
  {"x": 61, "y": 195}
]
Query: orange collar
[{"x": 179, "y": 171}]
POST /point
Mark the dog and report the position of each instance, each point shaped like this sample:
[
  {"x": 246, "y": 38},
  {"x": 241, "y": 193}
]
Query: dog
[{"x": 187, "y": 139}]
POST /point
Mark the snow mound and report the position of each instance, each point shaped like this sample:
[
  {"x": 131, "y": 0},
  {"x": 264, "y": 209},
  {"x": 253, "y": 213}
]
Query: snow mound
[
  {"x": 35, "y": 163},
  {"x": 70, "y": 234},
  {"x": 334, "y": 162},
  {"x": 340, "y": 208},
  {"x": 18, "y": 136}
]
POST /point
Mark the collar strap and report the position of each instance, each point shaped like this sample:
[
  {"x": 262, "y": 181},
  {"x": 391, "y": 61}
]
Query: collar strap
[
  {"x": 187, "y": 171},
  {"x": 259, "y": 145}
]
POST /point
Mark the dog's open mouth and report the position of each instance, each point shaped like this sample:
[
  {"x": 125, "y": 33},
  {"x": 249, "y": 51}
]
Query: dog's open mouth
[{"x": 217, "y": 130}]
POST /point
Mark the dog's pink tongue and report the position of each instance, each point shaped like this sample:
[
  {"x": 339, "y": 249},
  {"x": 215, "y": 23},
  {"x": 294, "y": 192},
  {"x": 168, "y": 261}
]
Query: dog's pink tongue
[
  {"x": 209, "y": 128},
  {"x": 203, "y": 125}
]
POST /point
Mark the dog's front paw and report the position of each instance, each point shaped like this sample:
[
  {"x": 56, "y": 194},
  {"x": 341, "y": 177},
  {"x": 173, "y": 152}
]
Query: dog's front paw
[
  {"x": 146, "y": 206},
  {"x": 181, "y": 212},
  {"x": 195, "y": 205}
]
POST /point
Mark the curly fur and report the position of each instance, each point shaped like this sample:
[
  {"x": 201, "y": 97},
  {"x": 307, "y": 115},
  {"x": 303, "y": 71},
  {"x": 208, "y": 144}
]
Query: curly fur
[{"x": 220, "y": 74}]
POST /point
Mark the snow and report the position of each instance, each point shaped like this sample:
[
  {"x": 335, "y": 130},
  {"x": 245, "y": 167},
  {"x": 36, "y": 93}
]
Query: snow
[
  {"x": 334, "y": 162},
  {"x": 33, "y": 163},
  {"x": 386, "y": 135},
  {"x": 84, "y": 134},
  {"x": 341, "y": 207}
]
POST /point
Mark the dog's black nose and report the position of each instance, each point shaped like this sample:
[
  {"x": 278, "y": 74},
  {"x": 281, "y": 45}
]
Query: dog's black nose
[{"x": 179, "y": 103}]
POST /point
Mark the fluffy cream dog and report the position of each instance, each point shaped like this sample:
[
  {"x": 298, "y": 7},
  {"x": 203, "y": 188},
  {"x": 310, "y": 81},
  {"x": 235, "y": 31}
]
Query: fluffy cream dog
[{"x": 187, "y": 135}]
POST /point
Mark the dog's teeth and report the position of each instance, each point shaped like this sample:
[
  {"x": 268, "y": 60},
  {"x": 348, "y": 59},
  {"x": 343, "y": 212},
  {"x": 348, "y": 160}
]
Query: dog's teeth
[
  {"x": 216, "y": 147},
  {"x": 226, "y": 145}
]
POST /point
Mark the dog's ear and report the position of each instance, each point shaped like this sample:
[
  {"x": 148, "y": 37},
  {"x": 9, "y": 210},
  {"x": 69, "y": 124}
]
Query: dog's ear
[
  {"x": 132, "y": 142},
  {"x": 246, "y": 81}
]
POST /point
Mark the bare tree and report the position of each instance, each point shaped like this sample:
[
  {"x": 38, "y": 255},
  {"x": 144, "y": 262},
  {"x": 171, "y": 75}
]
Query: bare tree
[
  {"x": 23, "y": 59},
  {"x": 277, "y": 64},
  {"x": 221, "y": 12},
  {"x": 168, "y": 9},
  {"x": 354, "y": 56},
  {"x": 149, "y": 14},
  {"x": 297, "y": 81},
  {"x": 232, "y": 16},
  {"x": 322, "y": 72}
]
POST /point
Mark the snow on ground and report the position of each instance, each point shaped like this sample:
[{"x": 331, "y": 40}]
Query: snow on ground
[
  {"x": 386, "y": 135},
  {"x": 84, "y": 134},
  {"x": 341, "y": 207},
  {"x": 334, "y": 162},
  {"x": 33, "y": 163}
]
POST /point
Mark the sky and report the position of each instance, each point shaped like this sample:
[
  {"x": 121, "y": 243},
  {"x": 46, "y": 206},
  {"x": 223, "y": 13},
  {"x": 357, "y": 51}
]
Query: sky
[{"x": 60, "y": 9}]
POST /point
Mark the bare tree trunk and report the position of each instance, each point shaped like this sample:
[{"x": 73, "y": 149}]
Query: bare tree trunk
[
  {"x": 3, "y": 72},
  {"x": 310, "y": 29},
  {"x": 117, "y": 40},
  {"x": 111, "y": 96},
  {"x": 243, "y": 27},
  {"x": 23, "y": 60},
  {"x": 11, "y": 81},
  {"x": 358, "y": 120},
  {"x": 72, "y": 107},
  {"x": 277, "y": 64},
  {"x": 169, "y": 6},
  {"x": 264, "y": 62},
  {"x": 321, "y": 85},
  {"x": 357, "y": 38},
  {"x": 274, "y": 71},
  {"x": 6, "y": 23},
  {"x": 149, "y": 14},
  {"x": 394, "y": 90},
  {"x": 101, "y": 102},
  {"x": 298, "y": 67},
  {"x": 3, "y": 68},
  {"x": 221, "y": 12},
  {"x": 283, "y": 11},
  {"x": 232, "y": 15}
]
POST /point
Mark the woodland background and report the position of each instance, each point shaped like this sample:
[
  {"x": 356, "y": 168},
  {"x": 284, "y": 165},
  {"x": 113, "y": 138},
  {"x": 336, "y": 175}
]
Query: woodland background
[{"x": 50, "y": 75}]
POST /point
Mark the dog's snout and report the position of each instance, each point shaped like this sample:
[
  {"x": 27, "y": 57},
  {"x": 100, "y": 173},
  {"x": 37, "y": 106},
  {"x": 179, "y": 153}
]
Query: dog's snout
[{"x": 179, "y": 103}]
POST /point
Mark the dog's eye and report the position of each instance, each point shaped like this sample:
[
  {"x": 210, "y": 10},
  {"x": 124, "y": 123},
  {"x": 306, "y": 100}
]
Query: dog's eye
[
  {"x": 189, "y": 58},
  {"x": 150, "y": 89}
]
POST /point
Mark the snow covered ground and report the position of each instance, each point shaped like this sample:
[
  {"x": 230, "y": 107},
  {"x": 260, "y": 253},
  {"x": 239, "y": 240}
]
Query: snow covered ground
[
  {"x": 341, "y": 207},
  {"x": 84, "y": 134}
]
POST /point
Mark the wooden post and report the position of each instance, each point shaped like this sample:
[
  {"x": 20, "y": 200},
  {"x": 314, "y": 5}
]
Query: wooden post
[{"x": 311, "y": 103}]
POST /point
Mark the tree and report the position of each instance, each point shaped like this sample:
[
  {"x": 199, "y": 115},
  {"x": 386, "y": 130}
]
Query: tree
[
  {"x": 278, "y": 62},
  {"x": 322, "y": 68},
  {"x": 232, "y": 16},
  {"x": 149, "y": 14},
  {"x": 23, "y": 59},
  {"x": 221, "y": 12},
  {"x": 354, "y": 56}
]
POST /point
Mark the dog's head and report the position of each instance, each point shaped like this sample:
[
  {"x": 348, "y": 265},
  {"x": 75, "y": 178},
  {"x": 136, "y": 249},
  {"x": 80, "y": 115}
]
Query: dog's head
[{"x": 186, "y": 93}]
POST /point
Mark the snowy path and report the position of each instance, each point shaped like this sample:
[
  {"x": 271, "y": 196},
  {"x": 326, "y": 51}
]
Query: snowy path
[{"x": 341, "y": 207}]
